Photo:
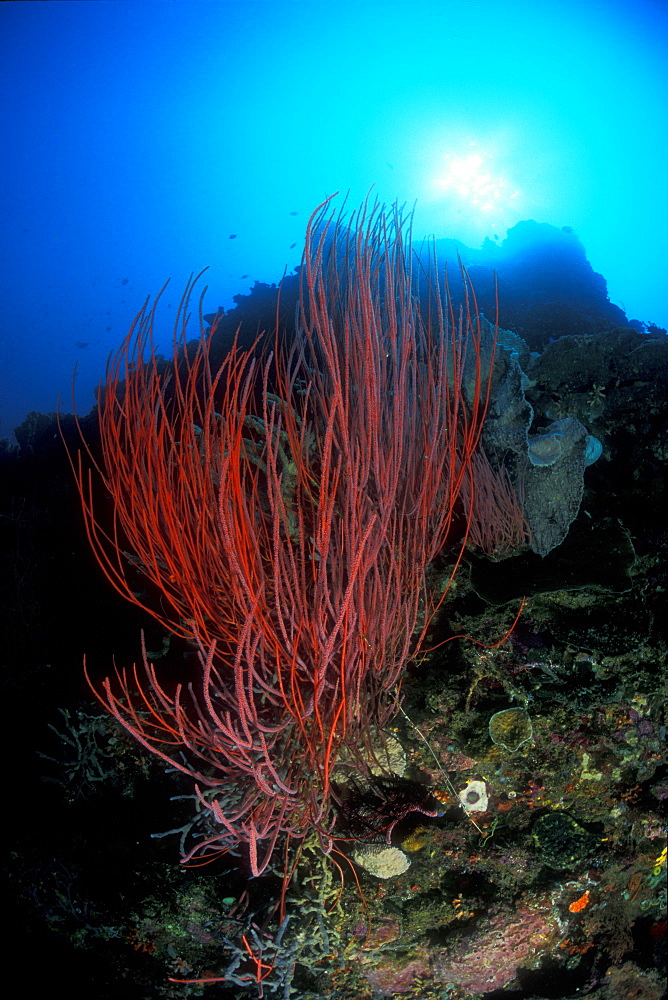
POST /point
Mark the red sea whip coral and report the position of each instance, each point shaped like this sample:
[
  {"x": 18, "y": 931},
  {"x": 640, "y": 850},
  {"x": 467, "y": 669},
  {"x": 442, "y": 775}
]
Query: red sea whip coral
[{"x": 286, "y": 507}]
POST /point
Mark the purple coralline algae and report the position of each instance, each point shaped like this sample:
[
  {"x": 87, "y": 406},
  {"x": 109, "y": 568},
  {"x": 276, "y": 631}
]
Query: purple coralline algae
[
  {"x": 489, "y": 959},
  {"x": 485, "y": 960}
]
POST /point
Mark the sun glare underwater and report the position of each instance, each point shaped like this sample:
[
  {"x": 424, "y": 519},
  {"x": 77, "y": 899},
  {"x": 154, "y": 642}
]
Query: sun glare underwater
[{"x": 145, "y": 140}]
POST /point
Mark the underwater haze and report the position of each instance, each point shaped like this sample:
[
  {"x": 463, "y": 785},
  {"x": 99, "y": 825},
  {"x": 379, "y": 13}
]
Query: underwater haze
[{"x": 147, "y": 140}]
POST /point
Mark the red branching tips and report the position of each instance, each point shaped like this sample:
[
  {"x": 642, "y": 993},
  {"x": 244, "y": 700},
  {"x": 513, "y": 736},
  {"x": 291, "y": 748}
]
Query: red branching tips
[{"x": 286, "y": 507}]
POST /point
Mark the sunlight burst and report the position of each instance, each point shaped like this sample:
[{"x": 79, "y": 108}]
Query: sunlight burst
[{"x": 470, "y": 177}]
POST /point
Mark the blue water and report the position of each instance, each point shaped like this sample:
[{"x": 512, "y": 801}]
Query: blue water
[{"x": 144, "y": 140}]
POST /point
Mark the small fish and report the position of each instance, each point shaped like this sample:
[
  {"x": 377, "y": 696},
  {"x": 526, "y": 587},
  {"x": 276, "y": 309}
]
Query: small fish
[
  {"x": 232, "y": 236},
  {"x": 242, "y": 277},
  {"x": 294, "y": 213}
]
